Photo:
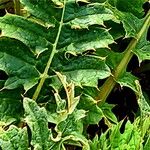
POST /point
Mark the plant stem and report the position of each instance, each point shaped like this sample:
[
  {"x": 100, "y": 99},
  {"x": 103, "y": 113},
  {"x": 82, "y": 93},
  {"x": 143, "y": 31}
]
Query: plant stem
[
  {"x": 45, "y": 73},
  {"x": 17, "y": 7},
  {"x": 111, "y": 81}
]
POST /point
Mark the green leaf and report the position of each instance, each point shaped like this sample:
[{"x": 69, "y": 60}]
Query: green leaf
[
  {"x": 40, "y": 38},
  {"x": 70, "y": 130},
  {"x": 73, "y": 123},
  {"x": 142, "y": 49},
  {"x": 79, "y": 17},
  {"x": 14, "y": 139},
  {"x": 43, "y": 10},
  {"x": 83, "y": 71},
  {"x": 18, "y": 62},
  {"x": 100, "y": 143},
  {"x": 10, "y": 110},
  {"x": 130, "y": 139},
  {"x": 30, "y": 33},
  {"x": 94, "y": 113},
  {"x": 147, "y": 145},
  {"x": 143, "y": 104},
  {"x": 134, "y": 7},
  {"x": 78, "y": 41},
  {"x": 128, "y": 80},
  {"x": 112, "y": 58},
  {"x": 115, "y": 29},
  {"x": 130, "y": 6},
  {"x": 131, "y": 23},
  {"x": 36, "y": 119},
  {"x": 74, "y": 138},
  {"x": 107, "y": 112}
]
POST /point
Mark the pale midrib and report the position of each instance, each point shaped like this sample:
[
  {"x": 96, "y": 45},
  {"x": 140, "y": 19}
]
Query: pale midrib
[
  {"x": 111, "y": 81},
  {"x": 45, "y": 73}
]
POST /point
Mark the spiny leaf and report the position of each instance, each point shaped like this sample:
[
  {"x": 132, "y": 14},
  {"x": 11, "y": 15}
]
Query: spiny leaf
[
  {"x": 69, "y": 89},
  {"x": 108, "y": 114},
  {"x": 128, "y": 80},
  {"x": 74, "y": 138},
  {"x": 112, "y": 58},
  {"x": 130, "y": 139},
  {"x": 94, "y": 112},
  {"x": 14, "y": 138},
  {"x": 83, "y": 71},
  {"x": 30, "y": 33},
  {"x": 134, "y": 7},
  {"x": 142, "y": 49},
  {"x": 78, "y": 41},
  {"x": 131, "y": 23},
  {"x": 72, "y": 123},
  {"x": 10, "y": 110},
  {"x": 36, "y": 119},
  {"x": 79, "y": 17},
  {"x": 44, "y": 10},
  {"x": 143, "y": 104},
  {"x": 18, "y": 62}
]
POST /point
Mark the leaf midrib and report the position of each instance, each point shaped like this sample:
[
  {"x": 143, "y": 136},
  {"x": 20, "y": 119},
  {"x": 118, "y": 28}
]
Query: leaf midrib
[{"x": 54, "y": 50}]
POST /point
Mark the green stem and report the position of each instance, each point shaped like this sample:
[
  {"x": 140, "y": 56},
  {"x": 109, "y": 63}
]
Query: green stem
[
  {"x": 111, "y": 81},
  {"x": 17, "y": 7},
  {"x": 45, "y": 73}
]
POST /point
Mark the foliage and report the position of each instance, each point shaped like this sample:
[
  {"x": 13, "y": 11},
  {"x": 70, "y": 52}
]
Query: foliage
[{"x": 54, "y": 58}]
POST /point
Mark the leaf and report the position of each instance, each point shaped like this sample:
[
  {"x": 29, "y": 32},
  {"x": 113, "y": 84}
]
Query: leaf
[
  {"x": 69, "y": 89},
  {"x": 94, "y": 113},
  {"x": 147, "y": 145},
  {"x": 131, "y": 23},
  {"x": 99, "y": 143},
  {"x": 87, "y": 15},
  {"x": 14, "y": 138},
  {"x": 112, "y": 58},
  {"x": 83, "y": 71},
  {"x": 78, "y": 41},
  {"x": 30, "y": 33},
  {"x": 128, "y": 80},
  {"x": 66, "y": 45},
  {"x": 135, "y": 7},
  {"x": 40, "y": 38},
  {"x": 73, "y": 138},
  {"x": 142, "y": 49},
  {"x": 78, "y": 138},
  {"x": 18, "y": 64},
  {"x": 130, "y": 139},
  {"x": 10, "y": 110},
  {"x": 72, "y": 123},
  {"x": 43, "y": 10},
  {"x": 115, "y": 29},
  {"x": 143, "y": 104},
  {"x": 107, "y": 112},
  {"x": 36, "y": 119},
  {"x": 71, "y": 130}
]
